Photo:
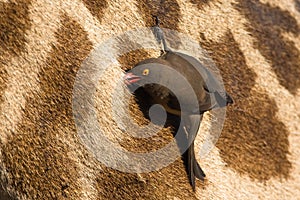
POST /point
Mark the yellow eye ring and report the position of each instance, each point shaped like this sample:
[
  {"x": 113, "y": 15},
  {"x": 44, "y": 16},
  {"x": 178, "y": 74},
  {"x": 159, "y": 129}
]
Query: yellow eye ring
[{"x": 146, "y": 72}]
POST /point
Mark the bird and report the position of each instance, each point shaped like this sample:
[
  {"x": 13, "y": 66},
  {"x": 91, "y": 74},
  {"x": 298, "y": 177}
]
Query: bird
[{"x": 194, "y": 91}]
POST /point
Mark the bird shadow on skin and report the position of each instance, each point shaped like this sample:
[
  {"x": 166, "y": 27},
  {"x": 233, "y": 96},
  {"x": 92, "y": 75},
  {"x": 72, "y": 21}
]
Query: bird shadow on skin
[
  {"x": 5, "y": 195},
  {"x": 268, "y": 24},
  {"x": 254, "y": 141}
]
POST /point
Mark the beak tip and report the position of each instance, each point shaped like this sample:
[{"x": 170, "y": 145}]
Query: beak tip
[{"x": 130, "y": 78}]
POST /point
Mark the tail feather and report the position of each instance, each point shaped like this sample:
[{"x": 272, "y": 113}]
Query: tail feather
[
  {"x": 198, "y": 171},
  {"x": 194, "y": 167},
  {"x": 191, "y": 164}
]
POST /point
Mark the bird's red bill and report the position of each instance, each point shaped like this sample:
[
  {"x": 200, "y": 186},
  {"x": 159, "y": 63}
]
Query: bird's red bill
[{"x": 130, "y": 78}]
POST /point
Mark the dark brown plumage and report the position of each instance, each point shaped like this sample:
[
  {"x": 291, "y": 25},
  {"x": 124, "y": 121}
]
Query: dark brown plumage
[{"x": 184, "y": 87}]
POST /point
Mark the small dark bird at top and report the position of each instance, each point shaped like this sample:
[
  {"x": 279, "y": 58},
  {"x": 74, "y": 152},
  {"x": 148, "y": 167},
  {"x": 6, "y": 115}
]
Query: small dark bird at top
[{"x": 190, "y": 80}]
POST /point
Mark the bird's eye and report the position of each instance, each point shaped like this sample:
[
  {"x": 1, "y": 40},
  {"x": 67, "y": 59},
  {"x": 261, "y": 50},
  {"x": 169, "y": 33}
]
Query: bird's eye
[{"x": 146, "y": 72}]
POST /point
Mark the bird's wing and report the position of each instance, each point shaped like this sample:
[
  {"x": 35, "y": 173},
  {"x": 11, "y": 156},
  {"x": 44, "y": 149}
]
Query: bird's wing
[
  {"x": 211, "y": 84},
  {"x": 210, "y": 81},
  {"x": 209, "y": 90}
]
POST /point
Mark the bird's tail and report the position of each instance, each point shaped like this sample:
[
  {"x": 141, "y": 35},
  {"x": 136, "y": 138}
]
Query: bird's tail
[{"x": 194, "y": 169}]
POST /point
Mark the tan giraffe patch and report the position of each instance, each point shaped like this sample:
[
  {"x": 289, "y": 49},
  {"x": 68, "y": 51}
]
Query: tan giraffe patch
[
  {"x": 254, "y": 44},
  {"x": 267, "y": 24}
]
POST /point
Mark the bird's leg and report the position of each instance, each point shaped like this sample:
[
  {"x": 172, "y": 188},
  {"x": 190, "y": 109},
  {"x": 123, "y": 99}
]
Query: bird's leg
[
  {"x": 191, "y": 127},
  {"x": 159, "y": 34}
]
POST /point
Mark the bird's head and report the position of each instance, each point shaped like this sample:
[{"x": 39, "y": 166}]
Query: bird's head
[
  {"x": 142, "y": 74},
  {"x": 156, "y": 72}
]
